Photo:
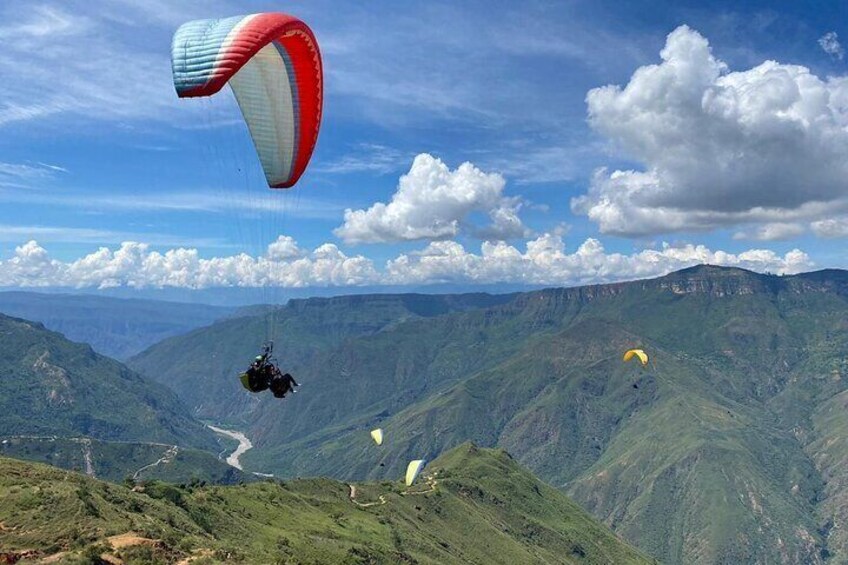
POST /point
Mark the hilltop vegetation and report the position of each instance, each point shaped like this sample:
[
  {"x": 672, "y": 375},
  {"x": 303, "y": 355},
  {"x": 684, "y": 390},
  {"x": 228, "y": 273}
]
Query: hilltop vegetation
[
  {"x": 476, "y": 506},
  {"x": 726, "y": 448}
]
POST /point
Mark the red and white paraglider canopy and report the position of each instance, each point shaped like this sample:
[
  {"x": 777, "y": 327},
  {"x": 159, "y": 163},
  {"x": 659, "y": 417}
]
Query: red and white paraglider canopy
[{"x": 273, "y": 65}]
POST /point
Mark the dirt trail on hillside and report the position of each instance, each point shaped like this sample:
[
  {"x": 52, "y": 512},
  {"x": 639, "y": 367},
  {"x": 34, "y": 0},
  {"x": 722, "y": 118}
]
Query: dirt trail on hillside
[
  {"x": 352, "y": 496},
  {"x": 429, "y": 480},
  {"x": 167, "y": 457}
]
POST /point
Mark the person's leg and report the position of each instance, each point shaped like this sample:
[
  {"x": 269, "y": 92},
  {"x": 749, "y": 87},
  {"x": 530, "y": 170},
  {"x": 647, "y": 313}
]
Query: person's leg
[
  {"x": 278, "y": 387},
  {"x": 288, "y": 380}
]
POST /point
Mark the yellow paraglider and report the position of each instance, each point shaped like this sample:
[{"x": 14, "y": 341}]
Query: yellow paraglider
[
  {"x": 643, "y": 357},
  {"x": 412, "y": 470},
  {"x": 377, "y": 436}
]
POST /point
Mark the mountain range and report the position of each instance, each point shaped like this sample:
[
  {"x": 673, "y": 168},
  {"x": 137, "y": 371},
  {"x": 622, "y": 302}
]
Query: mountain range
[
  {"x": 727, "y": 447},
  {"x": 64, "y": 404},
  {"x": 115, "y": 327}
]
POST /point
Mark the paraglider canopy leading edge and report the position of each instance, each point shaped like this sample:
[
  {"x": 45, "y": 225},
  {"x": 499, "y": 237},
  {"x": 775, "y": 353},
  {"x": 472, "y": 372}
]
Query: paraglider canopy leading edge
[{"x": 273, "y": 65}]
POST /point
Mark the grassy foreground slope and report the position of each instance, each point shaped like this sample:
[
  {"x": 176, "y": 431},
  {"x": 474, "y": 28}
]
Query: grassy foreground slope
[{"x": 473, "y": 506}]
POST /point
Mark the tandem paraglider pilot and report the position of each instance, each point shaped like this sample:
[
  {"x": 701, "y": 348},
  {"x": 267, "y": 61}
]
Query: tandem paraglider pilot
[{"x": 264, "y": 374}]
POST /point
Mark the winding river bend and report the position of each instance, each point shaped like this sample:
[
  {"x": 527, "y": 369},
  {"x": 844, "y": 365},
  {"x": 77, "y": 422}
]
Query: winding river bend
[{"x": 243, "y": 446}]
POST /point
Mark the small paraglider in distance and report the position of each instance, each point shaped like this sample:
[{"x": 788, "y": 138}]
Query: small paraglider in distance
[
  {"x": 264, "y": 374},
  {"x": 412, "y": 470},
  {"x": 377, "y": 436},
  {"x": 638, "y": 353},
  {"x": 631, "y": 353},
  {"x": 273, "y": 66}
]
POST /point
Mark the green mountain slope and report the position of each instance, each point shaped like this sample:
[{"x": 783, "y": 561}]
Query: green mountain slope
[
  {"x": 117, "y": 461},
  {"x": 204, "y": 376},
  {"x": 50, "y": 386},
  {"x": 118, "y": 328},
  {"x": 474, "y": 506},
  {"x": 727, "y": 449}
]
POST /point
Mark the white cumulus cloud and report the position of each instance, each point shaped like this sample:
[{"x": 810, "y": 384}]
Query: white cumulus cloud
[
  {"x": 434, "y": 202},
  {"x": 718, "y": 148},
  {"x": 284, "y": 248}
]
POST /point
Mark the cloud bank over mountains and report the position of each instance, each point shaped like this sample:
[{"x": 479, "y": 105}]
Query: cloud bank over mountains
[{"x": 543, "y": 261}]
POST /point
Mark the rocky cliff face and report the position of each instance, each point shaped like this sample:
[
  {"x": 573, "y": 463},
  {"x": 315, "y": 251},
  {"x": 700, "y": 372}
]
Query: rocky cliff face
[{"x": 717, "y": 282}]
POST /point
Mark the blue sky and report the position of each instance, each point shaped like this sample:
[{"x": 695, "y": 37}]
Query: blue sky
[{"x": 709, "y": 153}]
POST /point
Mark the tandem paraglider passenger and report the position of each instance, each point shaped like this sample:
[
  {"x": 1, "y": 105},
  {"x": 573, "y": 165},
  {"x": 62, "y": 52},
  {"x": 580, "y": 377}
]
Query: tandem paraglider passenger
[{"x": 264, "y": 374}]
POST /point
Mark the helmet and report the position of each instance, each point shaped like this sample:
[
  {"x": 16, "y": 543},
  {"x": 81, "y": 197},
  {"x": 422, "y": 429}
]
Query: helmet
[{"x": 259, "y": 358}]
